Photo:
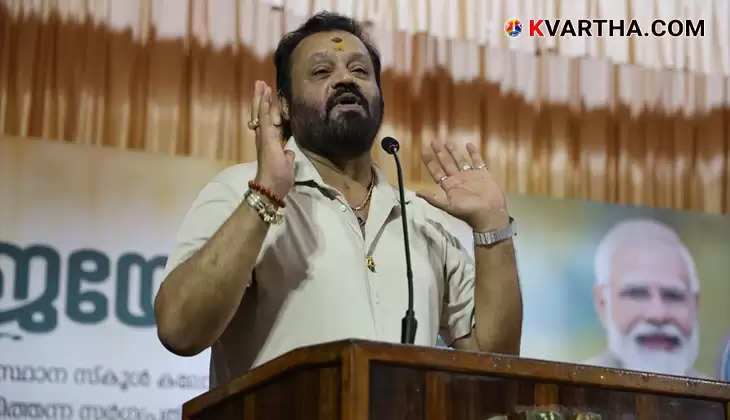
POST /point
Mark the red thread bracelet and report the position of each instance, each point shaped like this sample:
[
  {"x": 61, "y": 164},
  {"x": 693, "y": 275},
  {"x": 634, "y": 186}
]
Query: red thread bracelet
[{"x": 267, "y": 192}]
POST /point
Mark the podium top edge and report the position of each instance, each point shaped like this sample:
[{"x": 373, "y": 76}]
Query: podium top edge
[{"x": 356, "y": 353}]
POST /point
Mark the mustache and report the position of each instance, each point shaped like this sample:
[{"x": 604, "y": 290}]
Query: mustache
[
  {"x": 332, "y": 101},
  {"x": 646, "y": 328},
  {"x": 670, "y": 331}
]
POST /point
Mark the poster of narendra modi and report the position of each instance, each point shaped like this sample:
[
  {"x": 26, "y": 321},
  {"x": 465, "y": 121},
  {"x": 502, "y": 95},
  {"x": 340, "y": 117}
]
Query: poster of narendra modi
[{"x": 625, "y": 287}]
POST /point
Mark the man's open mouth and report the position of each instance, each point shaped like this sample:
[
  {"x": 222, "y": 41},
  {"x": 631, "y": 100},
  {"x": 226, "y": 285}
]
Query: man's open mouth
[
  {"x": 348, "y": 99},
  {"x": 658, "y": 341}
]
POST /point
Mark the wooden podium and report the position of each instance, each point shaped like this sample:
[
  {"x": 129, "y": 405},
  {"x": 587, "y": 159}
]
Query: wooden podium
[{"x": 359, "y": 380}]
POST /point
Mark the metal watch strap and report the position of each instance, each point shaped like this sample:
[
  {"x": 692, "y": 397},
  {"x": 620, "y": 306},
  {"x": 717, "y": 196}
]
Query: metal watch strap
[{"x": 497, "y": 235}]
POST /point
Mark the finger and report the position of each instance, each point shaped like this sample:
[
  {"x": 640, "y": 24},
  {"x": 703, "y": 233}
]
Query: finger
[
  {"x": 258, "y": 92},
  {"x": 270, "y": 132},
  {"x": 459, "y": 155},
  {"x": 432, "y": 164},
  {"x": 437, "y": 199},
  {"x": 275, "y": 110},
  {"x": 444, "y": 158},
  {"x": 264, "y": 114},
  {"x": 476, "y": 157}
]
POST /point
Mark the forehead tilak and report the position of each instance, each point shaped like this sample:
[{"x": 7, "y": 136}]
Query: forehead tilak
[{"x": 338, "y": 43}]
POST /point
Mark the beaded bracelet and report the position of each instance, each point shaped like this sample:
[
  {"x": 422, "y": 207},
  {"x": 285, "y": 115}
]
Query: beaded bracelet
[{"x": 267, "y": 193}]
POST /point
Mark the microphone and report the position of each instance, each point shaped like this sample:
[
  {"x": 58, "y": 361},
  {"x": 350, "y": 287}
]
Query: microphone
[{"x": 409, "y": 323}]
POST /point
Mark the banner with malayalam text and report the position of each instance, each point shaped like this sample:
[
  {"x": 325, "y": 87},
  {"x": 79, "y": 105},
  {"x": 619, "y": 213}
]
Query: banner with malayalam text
[{"x": 84, "y": 235}]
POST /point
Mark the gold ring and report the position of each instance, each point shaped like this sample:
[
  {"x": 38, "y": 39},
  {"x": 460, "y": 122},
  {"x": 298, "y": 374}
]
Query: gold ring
[
  {"x": 442, "y": 179},
  {"x": 466, "y": 168},
  {"x": 253, "y": 124},
  {"x": 482, "y": 166}
]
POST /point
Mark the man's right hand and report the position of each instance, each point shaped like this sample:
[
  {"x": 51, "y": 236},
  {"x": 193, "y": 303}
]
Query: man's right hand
[{"x": 275, "y": 165}]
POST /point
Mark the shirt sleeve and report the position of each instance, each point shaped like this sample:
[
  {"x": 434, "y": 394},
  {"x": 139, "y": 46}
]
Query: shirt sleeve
[
  {"x": 212, "y": 207},
  {"x": 457, "y": 313}
]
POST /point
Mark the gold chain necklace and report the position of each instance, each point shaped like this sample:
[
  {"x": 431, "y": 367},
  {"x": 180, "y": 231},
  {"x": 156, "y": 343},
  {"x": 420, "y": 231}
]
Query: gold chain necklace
[
  {"x": 367, "y": 197},
  {"x": 371, "y": 186}
]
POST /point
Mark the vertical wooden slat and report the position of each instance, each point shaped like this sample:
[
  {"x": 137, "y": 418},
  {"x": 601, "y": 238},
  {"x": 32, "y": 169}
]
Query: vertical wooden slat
[
  {"x": 646, "y": 407},
  {"x": 438, "y": 396},
  {"x": 249, "y": 407},
  {"x": 396, "y": 392},
  {"x": 573, "y": 396},
  {"x": 329, "y": 393},
  {"x": 355, "y": 380},
  {"x": 546, "y": 394}
]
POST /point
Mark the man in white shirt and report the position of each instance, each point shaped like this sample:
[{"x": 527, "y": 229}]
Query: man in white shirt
[{"x": 305, "y": 245}]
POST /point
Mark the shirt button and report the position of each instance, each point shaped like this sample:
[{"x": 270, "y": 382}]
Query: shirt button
[{"x": 343, "y": 207}]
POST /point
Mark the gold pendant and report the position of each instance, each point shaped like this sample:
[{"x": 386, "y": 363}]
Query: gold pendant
[{"x": 370, "y": 262}]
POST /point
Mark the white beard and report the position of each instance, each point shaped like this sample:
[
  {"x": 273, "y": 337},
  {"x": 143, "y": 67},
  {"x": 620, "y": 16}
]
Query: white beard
[{"x": 637, "y": 357}]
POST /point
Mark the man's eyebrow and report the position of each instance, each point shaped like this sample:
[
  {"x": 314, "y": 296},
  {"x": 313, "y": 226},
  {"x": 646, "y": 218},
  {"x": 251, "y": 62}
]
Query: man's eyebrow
[
  {"x": 326, "y": 55},
  {"x": 358, "y": 56},
  {"x": 674, "y": 288},
  {"x": 632, "y": 286},
  {"x": 633, "y": 289},
  {"x": 319, "y": 56}
]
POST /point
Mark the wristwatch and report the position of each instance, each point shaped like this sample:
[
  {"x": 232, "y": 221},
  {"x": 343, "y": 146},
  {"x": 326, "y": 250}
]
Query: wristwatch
[{"x": 497, "y": 235}]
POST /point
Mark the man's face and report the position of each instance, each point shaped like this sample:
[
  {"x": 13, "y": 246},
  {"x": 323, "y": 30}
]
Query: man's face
[
  {"x": 649, "y": 309},
  {"x": 336, "y": 106}
]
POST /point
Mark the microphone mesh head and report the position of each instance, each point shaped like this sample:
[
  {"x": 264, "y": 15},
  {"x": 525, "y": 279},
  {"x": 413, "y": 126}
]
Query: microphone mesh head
[{"x": 390, "y": 145}]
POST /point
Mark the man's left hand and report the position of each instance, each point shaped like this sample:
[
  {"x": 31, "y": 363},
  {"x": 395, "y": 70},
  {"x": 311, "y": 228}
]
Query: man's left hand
[{"x": 468, "y": 190}]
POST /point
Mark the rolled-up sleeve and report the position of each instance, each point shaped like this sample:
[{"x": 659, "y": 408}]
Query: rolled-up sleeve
[
  {"x": 212, "y": 207},
  {"x": 457, "y": 313}
]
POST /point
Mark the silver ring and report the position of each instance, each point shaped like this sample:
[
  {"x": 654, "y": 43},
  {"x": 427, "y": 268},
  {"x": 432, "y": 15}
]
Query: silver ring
[
  {"x": 442, "y": 179},
  {"x": 482, "y": 166},
  {"x": 466, "y": 168}
]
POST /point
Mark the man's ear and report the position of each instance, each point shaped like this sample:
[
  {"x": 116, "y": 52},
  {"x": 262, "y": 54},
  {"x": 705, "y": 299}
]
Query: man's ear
[
  {"x": 599, "y": 301},
  {"x": 284, "y": 107}
]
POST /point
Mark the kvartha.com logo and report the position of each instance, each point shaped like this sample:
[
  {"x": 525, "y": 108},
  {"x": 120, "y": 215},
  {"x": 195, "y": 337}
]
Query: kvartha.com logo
[{"x": 605, "y": 27}]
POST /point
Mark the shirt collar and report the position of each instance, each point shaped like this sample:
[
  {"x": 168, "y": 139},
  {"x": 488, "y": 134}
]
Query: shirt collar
[{"x": 305, "y": 172}]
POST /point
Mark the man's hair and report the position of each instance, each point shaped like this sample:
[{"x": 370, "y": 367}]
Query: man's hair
[
  {"x": 321, "y": 22},
  {"x": 631, "y": 231}
]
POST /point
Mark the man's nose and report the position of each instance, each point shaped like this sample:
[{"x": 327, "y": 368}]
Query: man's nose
[
  {"x": 656, "y": 310},
  {"x": 342, "y": 77}
]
